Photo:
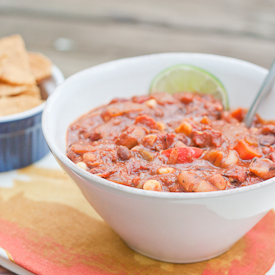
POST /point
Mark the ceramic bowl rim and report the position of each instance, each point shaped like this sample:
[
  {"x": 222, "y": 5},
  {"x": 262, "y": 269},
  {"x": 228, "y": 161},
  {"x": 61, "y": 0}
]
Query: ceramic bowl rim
[{"x": 126, "y": 189}]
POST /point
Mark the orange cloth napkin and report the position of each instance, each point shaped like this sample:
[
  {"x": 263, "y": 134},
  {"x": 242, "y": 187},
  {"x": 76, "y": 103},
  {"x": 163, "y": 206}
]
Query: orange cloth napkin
[{"x": 47, "y": 227}]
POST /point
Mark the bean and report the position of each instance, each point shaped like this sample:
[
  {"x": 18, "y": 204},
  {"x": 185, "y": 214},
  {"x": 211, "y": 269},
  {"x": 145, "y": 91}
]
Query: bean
[
  {"x": 123, "y": 153},
  {"x": 161, "y": 126}
]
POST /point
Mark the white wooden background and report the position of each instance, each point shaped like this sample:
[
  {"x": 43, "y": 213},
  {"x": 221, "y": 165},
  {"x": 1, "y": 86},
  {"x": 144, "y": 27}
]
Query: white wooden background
[{"x": 77, "y": 34}]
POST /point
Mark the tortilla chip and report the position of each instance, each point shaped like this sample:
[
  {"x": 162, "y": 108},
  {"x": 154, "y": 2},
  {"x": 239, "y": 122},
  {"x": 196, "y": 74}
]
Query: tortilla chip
[
  {"x": 17, "y": 67},
  {"x": 41, "y": 66},
  {"x": 33, "y": 91},
  {"x": 14, "y": 90},
  {"x": 17, "y": 104},
  {"x": 3, "y": 59},
  {"x": 11, "y": 90}
]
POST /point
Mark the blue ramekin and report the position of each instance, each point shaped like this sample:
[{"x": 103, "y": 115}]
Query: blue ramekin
[{"x": 21, "y": 139}]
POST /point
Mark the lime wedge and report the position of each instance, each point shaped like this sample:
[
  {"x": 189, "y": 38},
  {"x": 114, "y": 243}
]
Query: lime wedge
[{"x": 187, "y": 78}]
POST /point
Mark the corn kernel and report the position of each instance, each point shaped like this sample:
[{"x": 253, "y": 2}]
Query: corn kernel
[
  {"x": 161, "y": 126},
  {"x": 165, "y": 170},
  {"x": 82, "y": 165},
  {"x": 152, "y": 185},
  {"x": 205, "y": 120},
  {"x": 184, "y": 128},
  {"x": 151, "y": 103}
]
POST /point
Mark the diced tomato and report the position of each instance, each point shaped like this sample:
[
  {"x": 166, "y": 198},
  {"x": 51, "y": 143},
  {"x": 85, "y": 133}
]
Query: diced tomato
[
  {"x": 246, "y": 151},
  {"x": 185, "y": 154},
  {"x": 170, "y": 139},
  {"x": 208, "y": 138},
  {"x": 186, "y": 97},
  {"x": 173, "y": 157},
  {"x": 239, "y": 114},
  {"x": 146, "y": 120},
  {"x": 167, "y": 152}
]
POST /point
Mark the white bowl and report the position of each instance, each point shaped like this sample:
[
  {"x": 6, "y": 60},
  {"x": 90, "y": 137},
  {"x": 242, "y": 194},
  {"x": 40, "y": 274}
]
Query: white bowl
[{"x": 172, "y": 227}]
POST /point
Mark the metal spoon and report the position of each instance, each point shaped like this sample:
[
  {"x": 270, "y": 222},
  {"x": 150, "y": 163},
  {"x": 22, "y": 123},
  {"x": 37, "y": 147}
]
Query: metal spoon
[{"x": 264, "y": 90}]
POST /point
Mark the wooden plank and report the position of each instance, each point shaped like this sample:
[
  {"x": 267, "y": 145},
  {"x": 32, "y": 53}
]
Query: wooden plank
[
  {"x": 99, "y": 42},
  {"x": 249, "y": 18},
  {"x": 106, "y": 30}
]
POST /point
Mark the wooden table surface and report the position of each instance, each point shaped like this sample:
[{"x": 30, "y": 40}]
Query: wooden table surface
[
  {"x": 83, "y": 33},
  {"x": 79, "y": 34}
]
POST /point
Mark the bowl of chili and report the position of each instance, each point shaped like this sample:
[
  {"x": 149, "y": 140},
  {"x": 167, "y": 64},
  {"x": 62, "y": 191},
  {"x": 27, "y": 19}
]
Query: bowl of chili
[{"x": 180, "y": 224}]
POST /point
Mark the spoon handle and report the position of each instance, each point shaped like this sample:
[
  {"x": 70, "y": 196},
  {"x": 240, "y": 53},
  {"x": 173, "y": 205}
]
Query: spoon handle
[{"x": 264, "y": 90}]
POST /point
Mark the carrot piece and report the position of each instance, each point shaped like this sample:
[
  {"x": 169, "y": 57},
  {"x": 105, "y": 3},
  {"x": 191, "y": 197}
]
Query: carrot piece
[
  {"x": 246, "y": 151},
  {"x": 184, "y": 128},
  {"x": 239, "y": 114}
]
